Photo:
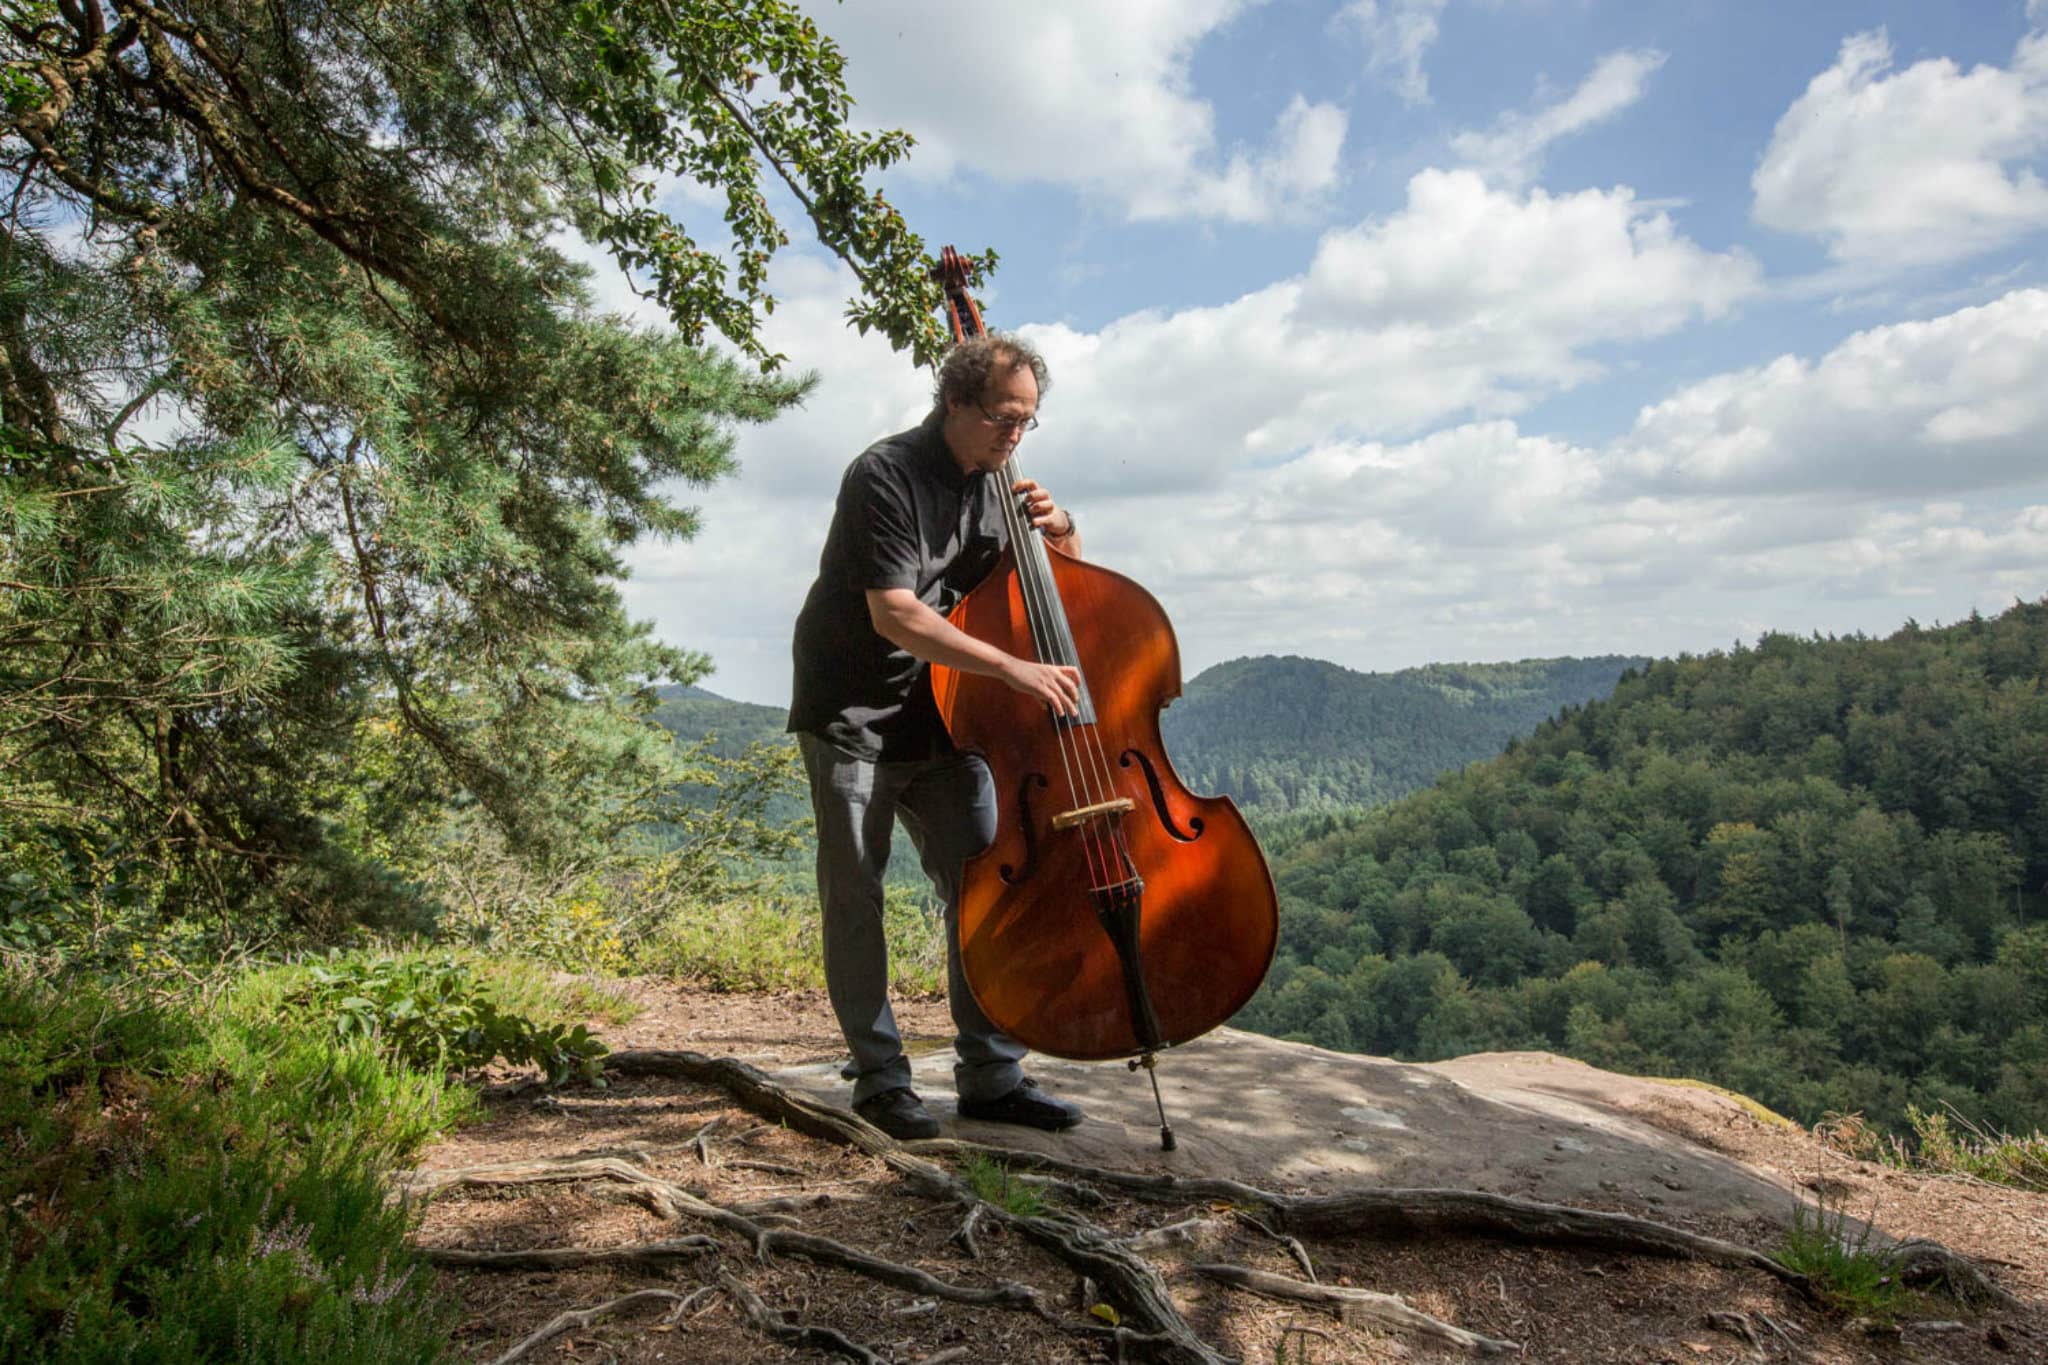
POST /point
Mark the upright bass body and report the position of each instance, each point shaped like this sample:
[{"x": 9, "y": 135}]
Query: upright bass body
[{"x": 1116, "y": 912}]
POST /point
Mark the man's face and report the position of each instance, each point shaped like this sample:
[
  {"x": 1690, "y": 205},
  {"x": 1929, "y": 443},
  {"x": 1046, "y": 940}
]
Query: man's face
[{"x": 982, "y": 435}]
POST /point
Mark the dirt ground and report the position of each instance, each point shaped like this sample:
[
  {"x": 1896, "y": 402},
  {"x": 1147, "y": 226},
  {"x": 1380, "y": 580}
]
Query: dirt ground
[{"x": 1556, "y": 1304}]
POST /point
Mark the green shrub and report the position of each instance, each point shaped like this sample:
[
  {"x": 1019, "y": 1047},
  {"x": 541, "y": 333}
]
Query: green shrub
[
  {"x": 433, "y": 1012},
  {"x": 772, "y": 942},
  {"x": 187, "y": 1188},
  {"x": 2000, "y": 1158}
]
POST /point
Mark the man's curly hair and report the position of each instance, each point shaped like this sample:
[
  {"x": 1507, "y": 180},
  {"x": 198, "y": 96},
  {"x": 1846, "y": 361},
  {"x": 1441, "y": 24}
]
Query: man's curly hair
[{"x": 965, "y": 374}]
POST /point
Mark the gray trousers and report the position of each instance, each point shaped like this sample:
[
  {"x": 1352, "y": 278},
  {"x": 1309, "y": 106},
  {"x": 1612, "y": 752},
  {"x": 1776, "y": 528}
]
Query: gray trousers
[{"x": 948, "y": 807}]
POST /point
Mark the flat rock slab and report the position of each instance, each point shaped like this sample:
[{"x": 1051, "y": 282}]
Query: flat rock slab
[{"x": 1289, "y": 1116}]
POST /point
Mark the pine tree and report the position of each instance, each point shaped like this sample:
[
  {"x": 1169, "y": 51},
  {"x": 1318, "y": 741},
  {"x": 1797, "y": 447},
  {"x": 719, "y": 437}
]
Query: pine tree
[{"x": 316, "y": 459}]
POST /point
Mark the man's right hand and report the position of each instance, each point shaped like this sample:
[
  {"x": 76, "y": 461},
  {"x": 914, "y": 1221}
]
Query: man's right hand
[{"x": 1057, "y": 685}]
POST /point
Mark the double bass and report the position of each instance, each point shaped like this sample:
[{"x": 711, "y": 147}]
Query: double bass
[{"x": 1116, "y": 914}]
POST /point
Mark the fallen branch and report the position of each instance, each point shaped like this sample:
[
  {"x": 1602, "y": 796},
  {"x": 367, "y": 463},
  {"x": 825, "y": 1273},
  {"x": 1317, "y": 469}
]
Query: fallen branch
[
  {"x": 582, "y": 1317},
  {"x": 646, "y": 1255},
  {"x": 1388, "y": 1310},
  {"x": 541, "y": 1171}
]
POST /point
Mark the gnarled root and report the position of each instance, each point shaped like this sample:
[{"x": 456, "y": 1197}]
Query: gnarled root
[
  {"x": 583, "y": 1317},
  {"x": 1388, "y": 1310}
]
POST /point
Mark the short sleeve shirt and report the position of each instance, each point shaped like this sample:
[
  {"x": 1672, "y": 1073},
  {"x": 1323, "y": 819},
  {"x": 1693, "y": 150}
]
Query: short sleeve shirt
[{"x": 907, "y": 517}]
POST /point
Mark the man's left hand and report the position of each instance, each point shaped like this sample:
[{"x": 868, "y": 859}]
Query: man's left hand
[{"x": 1045, "y": 514}]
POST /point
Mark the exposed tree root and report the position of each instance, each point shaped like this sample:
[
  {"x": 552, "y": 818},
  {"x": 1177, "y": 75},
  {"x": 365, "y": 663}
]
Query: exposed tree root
[
  {"x": 1387, "y": 1309},
  {"x": 1186, "y": 1232},
  {"x": 1152, "y": 1327},
  {"x": 1390, "y": 1213},
  {"x": 1918, "y": 1261},
  {"x": 1128, "y": 1280},
  {"x": 1293, "y": 1244},
  {"x": 795, "y": 1333},
  {"x": 1394, "y": 1214},
  {"x": 669, "y": 1200},
  {"x": 646, "y": 1255},
  {"x": 583, "y": 1317}
]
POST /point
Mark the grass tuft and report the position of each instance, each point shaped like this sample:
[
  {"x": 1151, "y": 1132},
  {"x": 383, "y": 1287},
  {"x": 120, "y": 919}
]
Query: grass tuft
[
  {"x": 1833, "y": 1251},
  {"x": 992, "y": 1180}
]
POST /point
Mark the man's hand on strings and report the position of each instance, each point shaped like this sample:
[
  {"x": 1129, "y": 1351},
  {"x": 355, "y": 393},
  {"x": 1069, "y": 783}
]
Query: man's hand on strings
[
  {"x": 1045, "y": 514},
  {"x": 1057, "y": 685}
]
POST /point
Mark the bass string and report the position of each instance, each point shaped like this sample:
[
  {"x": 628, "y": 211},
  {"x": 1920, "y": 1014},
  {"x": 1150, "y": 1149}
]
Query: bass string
[
  {"x": 1033, "y": 578},
  {"x": 1044, "y": 618},
  {"x": 1116, "y": 864}
]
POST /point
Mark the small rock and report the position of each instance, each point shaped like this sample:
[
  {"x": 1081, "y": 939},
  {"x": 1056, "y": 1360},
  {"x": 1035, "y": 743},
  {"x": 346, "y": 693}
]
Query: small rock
[{"x": 1572, "y": 1144}]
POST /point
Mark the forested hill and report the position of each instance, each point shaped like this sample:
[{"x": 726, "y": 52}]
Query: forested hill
[
  {"x": 1812, "y": 871},
  {"x": 693, "y": 712},
  {"x": 1292, "y": 734}
]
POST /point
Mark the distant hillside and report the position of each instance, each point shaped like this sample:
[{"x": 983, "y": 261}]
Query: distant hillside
[
  {"x": 692, "y": 713},
  {"x": 1294, "y": 734},
  {"x": 1814, "y": 871}
]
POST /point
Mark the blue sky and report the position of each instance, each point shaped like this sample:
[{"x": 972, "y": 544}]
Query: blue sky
[{"x": 1415, "y": 330}]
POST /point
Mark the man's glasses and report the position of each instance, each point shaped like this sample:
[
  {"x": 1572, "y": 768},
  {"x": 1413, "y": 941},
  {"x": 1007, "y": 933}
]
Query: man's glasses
[{"x": 1010, "y": 426}]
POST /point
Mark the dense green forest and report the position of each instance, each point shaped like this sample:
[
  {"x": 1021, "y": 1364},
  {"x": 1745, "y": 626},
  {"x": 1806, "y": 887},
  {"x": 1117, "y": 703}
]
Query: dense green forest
[
  {"x": 1281, "y": 735},
  {"x": 1289, "y": 734},
  {"x": 1812, "y": 871}
]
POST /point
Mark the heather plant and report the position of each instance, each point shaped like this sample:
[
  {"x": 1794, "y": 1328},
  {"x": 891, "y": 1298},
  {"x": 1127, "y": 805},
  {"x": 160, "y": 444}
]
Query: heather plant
[{"x": 184, "y": 1187}]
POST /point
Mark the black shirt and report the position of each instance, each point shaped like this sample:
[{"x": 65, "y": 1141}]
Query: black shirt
[{"x": 907, "y": 517}]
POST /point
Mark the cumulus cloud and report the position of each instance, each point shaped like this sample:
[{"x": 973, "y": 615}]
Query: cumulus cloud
[
  {"x": 1810, "y": 493},
  {"x": 1896, "y": 169},
  {"x": 1467, "y": 300},
  {"x": 1098, "y": 97},
  {"x": 1397, "y": 34},
  {"x": 1954, "y": 403},
  {"x": 1512, "y": 152},
  {"x": 1898, "y": 470}
]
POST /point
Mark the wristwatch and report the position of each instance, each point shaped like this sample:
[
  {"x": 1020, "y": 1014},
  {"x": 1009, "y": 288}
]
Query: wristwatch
[{"x": 1067, "y": 534}]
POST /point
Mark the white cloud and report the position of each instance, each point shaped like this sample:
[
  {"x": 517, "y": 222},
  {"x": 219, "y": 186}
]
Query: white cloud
[
  {"x": 1398, "y": 34},
  {"x": 1836, "y": 493},
  {"x": 1513, "y": 151},
  {"x": 1098, "y": 97},
  {"x": 1467, "y": 300},
  {"x": 1487, "y": 540},
  {"x": 1953, "y": 403},
  {"x": 1915, "y": 167}
]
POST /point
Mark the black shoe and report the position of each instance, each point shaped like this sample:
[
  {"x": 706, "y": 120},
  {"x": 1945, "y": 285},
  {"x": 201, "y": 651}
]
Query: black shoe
[
  {"x": 1026, "y": 1105},
  {"x": 899, "y": 1113}
]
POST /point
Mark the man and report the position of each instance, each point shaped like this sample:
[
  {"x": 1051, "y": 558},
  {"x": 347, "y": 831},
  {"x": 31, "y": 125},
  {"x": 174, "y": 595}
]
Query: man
[{"x": 918, "y": 523}]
